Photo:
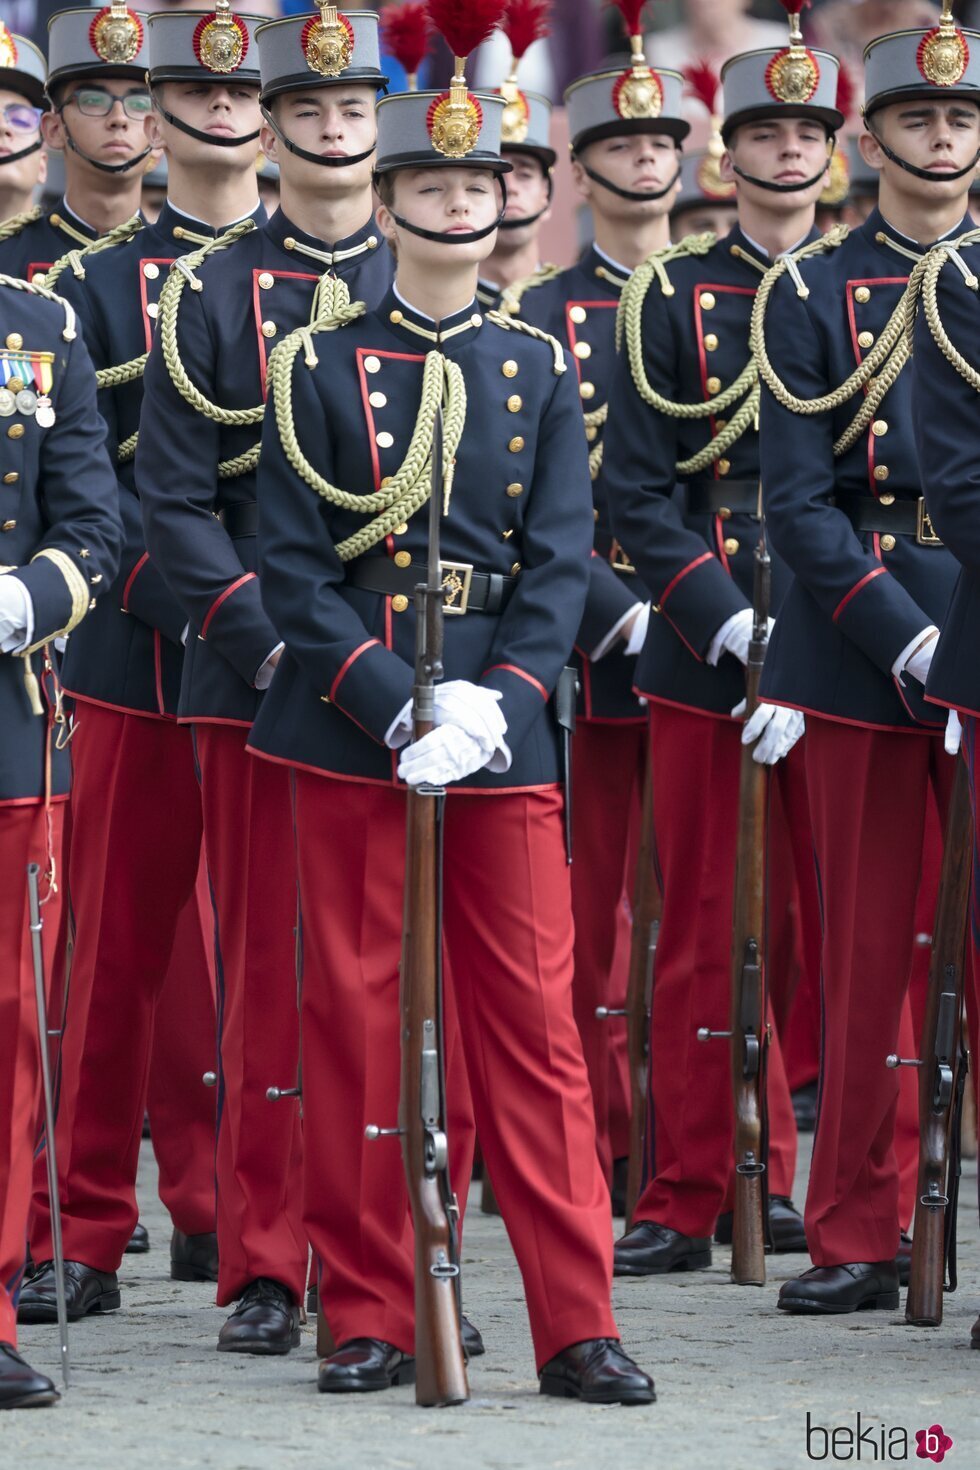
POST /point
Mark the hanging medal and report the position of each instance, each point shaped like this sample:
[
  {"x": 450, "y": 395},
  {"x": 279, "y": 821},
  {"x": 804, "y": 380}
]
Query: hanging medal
[{"x": 44, "y": 413}]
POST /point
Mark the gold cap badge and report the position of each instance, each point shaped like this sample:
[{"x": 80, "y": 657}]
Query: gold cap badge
[
  {"x": 221, "y": 39},
  {"x": 943, "y": 54},
  {"x": 116, "y": 34},
  {"x": 328, "y": 42},
  {"x": 8, "y": 47},
  {"x": 793, "y": 75}
]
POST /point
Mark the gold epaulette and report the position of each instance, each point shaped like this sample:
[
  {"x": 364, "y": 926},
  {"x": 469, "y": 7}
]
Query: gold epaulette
[
  {"x": 511, "y": 296},
  {"x": 15, "y": 283},
  {"x": 923, "y": 284},
  {"x": 12, "y": 227},
  {"x": 515, "y": 324},
  {"x": 74, "y": 258}
]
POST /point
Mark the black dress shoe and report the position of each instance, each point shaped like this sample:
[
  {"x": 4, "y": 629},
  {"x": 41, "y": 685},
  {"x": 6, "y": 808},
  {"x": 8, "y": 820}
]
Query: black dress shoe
[
  {"x": 312, "y": 1299},
  {"x": 472, "y": 1339},
  {"x": 903, "y": 1260},
  {"x": 20, "y": 1386},
  {"x": 804, "y": 1101},
  {"x": 617, "y": 1191},
  {"x": 87, "y": 1293},
  {"x": 139, "y": 1241},
  {"x": 265, "y": 1321},
  {"x": 785, "y": 1223},
  {"x": 364, "y": 1365},
  {"x": 597, "y": 1372},
  {"x": 975, "y": 1334},
  {"x": 650, "y": 1249},
  {"x": 853, "y": 1287},
  {"x": 193, "y": 1257}
]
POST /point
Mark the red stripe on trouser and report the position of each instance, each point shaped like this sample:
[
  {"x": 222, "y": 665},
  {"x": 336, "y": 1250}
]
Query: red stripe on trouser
[
  {"x": 134, "y": 853},
  {"x": 181, "y": 1108},
  {"x": 607, "y": 779},
  {"x": 248, "y": 838},
  {"x": 793, "y": 940},
  {"x": 23, "y": 839},
  {"x": 695, "y": 809},
  {"x": 509, "y": 938},
  {"x": 868, "y": 791}
]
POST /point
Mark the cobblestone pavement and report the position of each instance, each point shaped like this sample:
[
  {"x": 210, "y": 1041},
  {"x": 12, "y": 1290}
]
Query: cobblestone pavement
[{"x": 736, "y": 1381}]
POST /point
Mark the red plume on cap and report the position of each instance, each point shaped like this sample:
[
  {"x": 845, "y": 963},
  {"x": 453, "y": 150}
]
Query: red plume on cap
[
  {"x": 405, "y": 33},
  {"x": 525, "y": 21},
  {"x": 794, "y": 7},
  {"x": 631, "y": 11},
  {"x": 845, "y": 91},
  {"x": 703, "y": 83},
  {"x": 465, "y": 24}
]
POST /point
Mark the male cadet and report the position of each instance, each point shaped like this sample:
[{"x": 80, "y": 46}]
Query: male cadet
[
  {"x": 136, "y": 803},
  {"x": 705, "y": 202},
  {"x": 23, "y": 161},
  {"x": 626, "y": 128},
  {"x": 857, "y": 633},
  {"x": 338, "y": 583},
  {"x": 195, "y": 472},
  {"x": 97, "y": 88},
  {"x": 682, "y": 475},
  {"x": 525, "y": 146},
  {"x": 59, "y": 543}
]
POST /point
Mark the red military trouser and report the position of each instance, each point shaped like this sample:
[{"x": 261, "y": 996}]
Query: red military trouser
[
  {"x": 248, "y": 836},
  {"x": 133, "y": 862},
  {"x": 868, "y": 799},
  {"x": 25, "y": 837},
  {"x": 608, "y": 763},
  {"x": 689, "y": 1141},
  {"x": 508, "y": 934}
]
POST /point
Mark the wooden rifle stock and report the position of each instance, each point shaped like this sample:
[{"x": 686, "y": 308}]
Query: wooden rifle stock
[
  {"x": 439, "y": 1359},
  {"x": 748, "y": 1025},
  {"x": 639, "y": 990},
  {"x": 940, "y": 1074}
]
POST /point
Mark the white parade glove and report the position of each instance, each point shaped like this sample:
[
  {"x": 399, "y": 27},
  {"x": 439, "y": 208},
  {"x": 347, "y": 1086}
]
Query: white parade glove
[
  {"x": 916, "y": 656},
  {"x": 473, "y": 708},
  {"x": 16, "y": 615},
  {"x": 446, "y": 754},
  {"x": 734, "y": 636},
  {"x": 778, "y": 727},
  {"x": 266, "y": 670},
  {"x": 954, "y": 733},
  {"x": 638, "y": 632}
]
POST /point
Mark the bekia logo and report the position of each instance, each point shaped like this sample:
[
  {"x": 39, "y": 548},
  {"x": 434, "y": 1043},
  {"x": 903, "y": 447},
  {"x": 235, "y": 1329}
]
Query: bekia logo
[{"x": 874, "y": 1442}]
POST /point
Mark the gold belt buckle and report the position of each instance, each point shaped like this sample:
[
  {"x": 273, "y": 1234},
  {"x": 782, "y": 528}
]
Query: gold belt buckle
[
  {"x": 925, "y": 532},
  {"x": 456, "y": 579},
  {"x": 618, "y": 559}
]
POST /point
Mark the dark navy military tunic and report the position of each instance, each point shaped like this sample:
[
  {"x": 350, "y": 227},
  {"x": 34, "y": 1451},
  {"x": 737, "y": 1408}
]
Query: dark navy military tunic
[
  {"x": 128, "y": 655},
  {"x": 57, "y": 492},
  {"x": 252, "y": 294},
  {"x": 860, "y": 596},
  {"x": 692, "y": 537},
  {"x": 36, "y": 247},
  {"x": 520, "y": 507}
]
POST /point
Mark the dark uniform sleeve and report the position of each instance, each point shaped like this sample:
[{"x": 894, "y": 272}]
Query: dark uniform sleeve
[
  {"x": 810, "y": 533},
  {"x": 946, "y": 416},
  {"x": 537, "y": 629},
  {"x": 79, "y": 504},
  {"x": 301, "y": 575},
  {"x": 176, "y": 477},
  {"x": 690, "y": 587}
]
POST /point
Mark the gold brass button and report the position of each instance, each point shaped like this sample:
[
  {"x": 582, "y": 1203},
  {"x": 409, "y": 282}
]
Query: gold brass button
[
  {"x": 516, "y": 444},
  {"x": 862, "y": 294},
  {"x": 595, "y": 515},
  {"x": 377, "y": 400},
  {"x": 887, "y": 543},
  {"x": 724, "y": 513},
  {"x": 14, "y": 385},
  {"x": 39, "y": 278},
  {"x": 720, "y": 424},
  {"x": 84, "y": 552},
  {"x": 509, "y": 368},
  {"x": 179, "y": 234},
  {"x": 399, "y": 602},
  {"x": 515, "y": 569},
  {"x": 881, "y": 472},
  {"x": 372, "y": 242},
  {"x": 152, "y": 310},
  {"x": 372, "y": 364},
  {"x": 582, "y": 350},
  {"x": 91, "y": 604},
  {"x": 586, "y": 390},
  {"x": 592, "y": 433},
  {"x": 731, "y": 546},
  {"x": 887, "y": 499},
  {"x": 96, "y": 579},
  {"x": 11, "y": 477},
  {"x": 514, "y": 490},
  {"x": 710, "y": 342},
  {"x": 386, "y": 481},
  {"x": 269, "y": 329},
  {"x": 384, "y": 440},
  {"x": 724, "y": 465},
  {"x": 866, "y": 339},
  {"x": 400, "y": 530},
  {"x": 324, "y": 698},
  {"x": 396, "y": 316},
  {"x": 578, "y": 315},
  {"x": 879, "y": 427},
  {"x": 15, "y": 341},
  {"x": 266, "y": 280},
  {"x": 713, "y": 386},
  {"x": 403, "y": 559},
  {"x": 707, "y": 301},
  {"x": 8, "y": 526},
  {"x": 151, "y": 270},
  {"x": 16, "y": 431},
  {"x": 476, "y": 320},
  {"x": 515, "y": 403}
]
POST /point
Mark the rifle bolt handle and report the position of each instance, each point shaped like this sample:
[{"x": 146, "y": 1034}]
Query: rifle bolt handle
[
  {"x": 273, "y": 1094},
  {"x": 603, "y": 1013},
  {"x": 372, "y": 1131},
  {"x": 706, "y": 1034},
  {"x": 210, "y": 1079},
  {"x": 893, "y": 1061}
]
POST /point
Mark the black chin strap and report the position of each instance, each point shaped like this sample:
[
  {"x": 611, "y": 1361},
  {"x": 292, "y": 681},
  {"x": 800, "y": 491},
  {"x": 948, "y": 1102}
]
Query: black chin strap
[
  {"x": 641, "y": 197},
  {"x": 459, "y": 239},
  {"x": 531, "y": 219},
  {"x": 105, "y": 168},
  {"x": 23, "y": 153},
  {"x": 781, "y": 188},
  {"x": 201, "y": 137},
  {"x": 342, "y": 162},
  {"x": 921, "y": 173}
]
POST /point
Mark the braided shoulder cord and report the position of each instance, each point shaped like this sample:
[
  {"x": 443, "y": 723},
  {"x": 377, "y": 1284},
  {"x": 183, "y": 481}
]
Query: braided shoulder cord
[
  {"x": 68, "y": 332},
  {"x": 511, "y": 296},
  {"x": 407, "y": 490},
  {"x": 515, "y": 324},
  {"x": 924, "y": 281},
  {"x": 74, "y": 258},
  {"x": 17, "y": 223}
]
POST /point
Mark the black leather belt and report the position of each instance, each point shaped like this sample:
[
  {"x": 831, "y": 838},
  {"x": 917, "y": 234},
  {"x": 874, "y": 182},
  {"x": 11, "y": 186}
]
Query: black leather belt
[
  {"x": 899, "y": 518},
  {"x": 466, "y": 590},
  {"x": 240, "y": 520},
  {"x": 715, "y": 497}
]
